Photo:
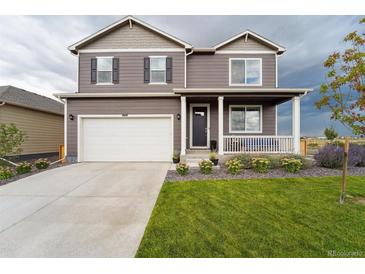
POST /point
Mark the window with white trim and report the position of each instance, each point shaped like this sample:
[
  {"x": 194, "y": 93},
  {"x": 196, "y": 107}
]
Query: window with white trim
[
  {"x": 158, "y": 69},
  {"x": 245, "y": 119},
  {"x": 245, "y": 71},
  {"x": 104, "y": 70}
]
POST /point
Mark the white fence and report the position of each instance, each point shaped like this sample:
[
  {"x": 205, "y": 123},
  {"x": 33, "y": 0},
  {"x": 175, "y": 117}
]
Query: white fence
[{"x": 258, "y": 144}]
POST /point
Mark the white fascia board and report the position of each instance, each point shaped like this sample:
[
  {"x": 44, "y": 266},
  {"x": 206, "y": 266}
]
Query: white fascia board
[
  {"x": 123, "y": 20},
  {"x": 111, "y": 95},
  {"x": 259, "y": 37},
  {"x": 131, "y": 50},
  {"x": 240, "y": 90}
]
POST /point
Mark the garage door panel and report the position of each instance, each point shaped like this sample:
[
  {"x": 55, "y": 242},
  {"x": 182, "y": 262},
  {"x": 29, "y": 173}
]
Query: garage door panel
[{"x": 126, "y": 139}]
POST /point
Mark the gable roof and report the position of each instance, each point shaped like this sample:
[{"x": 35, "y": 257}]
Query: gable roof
[
  {"x": 277, "y": 47},
  {"x": 23, "y": 98},
  {"x": 74, "y": 48}
]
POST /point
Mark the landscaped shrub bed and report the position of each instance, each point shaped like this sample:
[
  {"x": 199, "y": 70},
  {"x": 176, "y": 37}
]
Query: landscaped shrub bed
[
  {"x": 206, "y": 166},
  {"x": 260, "y": 164},
  {"x": 331, "y": 156},
  {"x": 23, "y": 167},
  {"x": 234, "y": 166},
  {"x": 291, "y": 165},
  {"x": 42, "y": 163},
  {"x": 182, "y": 169},
  {"x": 6, "y": 173}
]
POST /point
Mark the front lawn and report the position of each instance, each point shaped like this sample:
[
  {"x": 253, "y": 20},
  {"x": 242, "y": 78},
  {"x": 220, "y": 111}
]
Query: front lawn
[{"x": 294, "y": 217}]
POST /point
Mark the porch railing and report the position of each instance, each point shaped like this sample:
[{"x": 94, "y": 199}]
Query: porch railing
[{"x": 257, "y": 144}]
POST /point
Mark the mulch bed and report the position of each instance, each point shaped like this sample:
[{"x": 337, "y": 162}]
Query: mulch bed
[
  {"x": 221, "y": 173},
  {"x": 33, "y": 172}
]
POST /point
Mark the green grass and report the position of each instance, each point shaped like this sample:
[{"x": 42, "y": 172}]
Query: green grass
[{"x": 297, "y": 217}]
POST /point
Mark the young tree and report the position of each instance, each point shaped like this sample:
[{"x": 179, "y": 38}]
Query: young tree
[
  {"x": 11, "y": 138},
  {"x": 344, "y": 92},
  {"x": 330, "y": 133}
]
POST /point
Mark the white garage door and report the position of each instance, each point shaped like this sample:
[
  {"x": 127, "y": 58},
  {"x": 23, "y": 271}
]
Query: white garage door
[{"x": 126, "y": 139}]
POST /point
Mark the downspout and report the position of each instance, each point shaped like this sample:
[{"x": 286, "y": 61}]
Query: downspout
[{"x": 186, "y": 55}]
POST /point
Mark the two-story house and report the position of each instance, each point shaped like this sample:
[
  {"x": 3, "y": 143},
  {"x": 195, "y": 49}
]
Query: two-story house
[{"x": 143, "y": 94}]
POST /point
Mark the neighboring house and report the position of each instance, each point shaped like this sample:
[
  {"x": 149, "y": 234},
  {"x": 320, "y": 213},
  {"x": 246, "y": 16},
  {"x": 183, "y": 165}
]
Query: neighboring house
[
  {"x": 143, "y": 93},
  {"x": 41, "y": 119}
]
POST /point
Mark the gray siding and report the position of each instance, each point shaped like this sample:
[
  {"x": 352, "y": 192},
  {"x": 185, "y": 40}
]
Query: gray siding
[
  {"x": 268, "y": 116},
  {"x": 119, "y": 106},
  {"x": 135, "y": 37},
  {"x": 212, "y": 71},
  {"x": 131, "y": 73},
  {"x": 240, "y": 44}
]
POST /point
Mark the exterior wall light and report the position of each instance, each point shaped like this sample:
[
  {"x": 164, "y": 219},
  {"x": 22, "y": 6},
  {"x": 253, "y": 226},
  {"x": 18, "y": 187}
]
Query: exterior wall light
[
  {"x": 178, "y": 116},
  {"x": 71, "y": 117}
]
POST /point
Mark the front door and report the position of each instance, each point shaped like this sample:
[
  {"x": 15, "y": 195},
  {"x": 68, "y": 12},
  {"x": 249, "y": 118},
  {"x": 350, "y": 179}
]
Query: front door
[{"x": 199, "y": 126}]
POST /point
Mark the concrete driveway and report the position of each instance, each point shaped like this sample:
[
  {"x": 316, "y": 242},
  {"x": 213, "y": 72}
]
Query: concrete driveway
[{"x": 81, "y": 210}]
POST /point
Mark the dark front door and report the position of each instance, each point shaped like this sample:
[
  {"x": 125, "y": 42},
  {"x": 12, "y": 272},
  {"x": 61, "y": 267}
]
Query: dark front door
[{"x": 199, "y": 126}]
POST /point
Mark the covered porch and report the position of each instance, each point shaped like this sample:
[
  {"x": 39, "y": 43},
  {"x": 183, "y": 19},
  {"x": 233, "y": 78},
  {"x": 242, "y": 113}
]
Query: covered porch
[{"x": 237, "y": 122}]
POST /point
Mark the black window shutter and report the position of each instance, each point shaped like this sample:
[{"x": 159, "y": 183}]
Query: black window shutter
[
  {"x": 116, "y": 70},
  {"x": 94, "y": 64},
  {"x": 146, "y": 69},
  {"x": 169, "y": 70}
]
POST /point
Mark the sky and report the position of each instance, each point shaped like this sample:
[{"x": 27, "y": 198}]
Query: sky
[{"x": 34, "y": 53}]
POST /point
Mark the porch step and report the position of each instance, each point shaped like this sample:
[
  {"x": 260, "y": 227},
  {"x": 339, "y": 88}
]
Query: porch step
[{"x": 197, "y": 151}]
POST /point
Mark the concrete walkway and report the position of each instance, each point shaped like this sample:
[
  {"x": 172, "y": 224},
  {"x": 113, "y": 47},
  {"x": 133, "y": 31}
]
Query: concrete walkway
[{"x": 81, "y": 210}]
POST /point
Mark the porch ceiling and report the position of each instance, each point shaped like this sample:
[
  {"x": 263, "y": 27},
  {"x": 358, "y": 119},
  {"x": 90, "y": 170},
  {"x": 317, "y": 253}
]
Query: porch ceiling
[{"x": 275, "y": 95}]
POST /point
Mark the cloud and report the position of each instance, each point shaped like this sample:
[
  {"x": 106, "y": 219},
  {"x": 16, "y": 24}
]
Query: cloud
[{"x": 34, "y": 51}]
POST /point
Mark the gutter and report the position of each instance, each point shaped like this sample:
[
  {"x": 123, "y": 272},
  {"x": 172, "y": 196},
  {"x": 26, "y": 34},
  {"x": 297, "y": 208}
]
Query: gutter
[{"x": 186, "y": 55}]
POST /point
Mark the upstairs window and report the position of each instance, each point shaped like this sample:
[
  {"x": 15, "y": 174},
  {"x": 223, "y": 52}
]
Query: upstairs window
[
  {"x": 245, "y": 72},
  {"x": 158, "y": 69},
  {"x": 104, "y": 70}
]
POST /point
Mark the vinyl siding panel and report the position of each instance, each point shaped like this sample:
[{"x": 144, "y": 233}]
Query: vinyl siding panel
[
  {"x": 44, "y": 130},
  {"x": 125, "y": 37},
  {"x": 131, "y": 71},
  {"x": 212, "y": 71},
  {"x": 240, "y": 44},
  {"x": 121, "y": 106}
]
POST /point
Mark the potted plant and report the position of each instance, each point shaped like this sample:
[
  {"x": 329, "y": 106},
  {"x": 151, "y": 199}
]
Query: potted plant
[
  {"x": 176, "y": 157},
  {"x": 213, "y": 156}
]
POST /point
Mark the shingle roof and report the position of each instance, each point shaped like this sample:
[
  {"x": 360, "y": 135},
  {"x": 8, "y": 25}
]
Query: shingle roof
[{"x": 21, "y": 97}]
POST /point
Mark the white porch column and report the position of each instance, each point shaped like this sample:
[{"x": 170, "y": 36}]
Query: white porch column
[
  {"x": 296, "y": 123},
  {"x": 183, "y": 125},
  {"x": 220, "y": 125}
]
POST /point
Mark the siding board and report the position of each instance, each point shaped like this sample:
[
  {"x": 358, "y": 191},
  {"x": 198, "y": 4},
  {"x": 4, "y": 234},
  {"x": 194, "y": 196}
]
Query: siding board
[
  {"x": 44, "y": 130},
  {"x": 131, "y": 73},
  {"x": 212, "y": 71},
  {"x": 135, "y": 37}
]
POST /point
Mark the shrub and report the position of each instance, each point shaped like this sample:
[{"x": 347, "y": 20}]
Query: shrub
[
  {"x": 182, "y": 169},
  {"x": 260, "y": 165},
  {"x": 331, "y": 156},
  {"x": 206, "y": 166},
  {"x": 245, "y": 160},
  {"x": 330, "y": 133},
  {"x": 274, "y": 161},
  {"x": 11, "y": 138},
  {"x": 291, "y": 165},
  {"x": 6, "y": 173},
  {"x": 234, "y": 166},
  {"x": 42, "y": 163},
  {"x": 23, "y": 167}
]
